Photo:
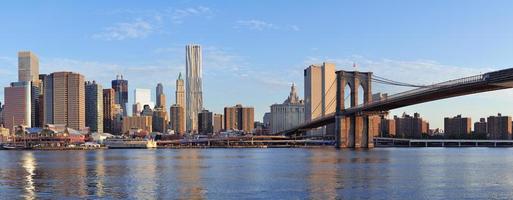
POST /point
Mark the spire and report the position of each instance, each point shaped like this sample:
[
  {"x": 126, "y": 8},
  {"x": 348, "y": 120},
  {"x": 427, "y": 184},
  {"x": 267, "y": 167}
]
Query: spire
[
  {"x": 180, "y": 76},
  {"x": 293, "y": 98}
]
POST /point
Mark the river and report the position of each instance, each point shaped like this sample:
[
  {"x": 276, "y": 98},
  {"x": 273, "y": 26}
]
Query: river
[{"x": 295, "y": 173}]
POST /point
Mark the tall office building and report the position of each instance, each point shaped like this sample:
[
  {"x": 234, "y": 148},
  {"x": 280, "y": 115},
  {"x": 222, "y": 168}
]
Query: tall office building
[
  {"x": 205, "y": 122},
  {"x": 239, "y": 118},
  {"x": 28, "y": 66},
  {"x": 177, "y": 119},
  {"x": 94, "y": 106},
  {"x": 457, "y": 127},
  {"x": 159, "y": 120},
  {"x": 320, "y": 90},
  {"x": 143, "y": 96},
  {"x": 289, "y": 114},
  {"x": 65, "y": 99},
  {"x": 499, "y": 127},
  {"x": 120, "y": 87},
  {"x": 17, "y": 110},
  {"x": 193, "y": 86},
  {"x": 160, "y": 96},
  {"x": 109, "y": 103},
  {"x": 28, "y": 70},
  {"x": 180, "y": 91}
]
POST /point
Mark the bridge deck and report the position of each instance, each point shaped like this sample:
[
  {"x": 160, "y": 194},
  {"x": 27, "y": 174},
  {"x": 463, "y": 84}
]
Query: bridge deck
[{"x": 496, "y": 80}]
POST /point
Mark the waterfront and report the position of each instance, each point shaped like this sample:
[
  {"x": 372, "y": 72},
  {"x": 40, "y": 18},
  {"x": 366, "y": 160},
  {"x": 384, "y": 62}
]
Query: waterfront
[{"x": 317, "y": 173}]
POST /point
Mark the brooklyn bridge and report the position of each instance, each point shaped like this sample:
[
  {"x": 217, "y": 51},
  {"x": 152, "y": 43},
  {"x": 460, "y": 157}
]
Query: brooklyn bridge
[{"x": 353, "y": 125}]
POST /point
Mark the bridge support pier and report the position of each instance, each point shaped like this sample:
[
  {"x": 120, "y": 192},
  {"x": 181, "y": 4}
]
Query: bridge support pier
[{"x": 354, "y": 130}]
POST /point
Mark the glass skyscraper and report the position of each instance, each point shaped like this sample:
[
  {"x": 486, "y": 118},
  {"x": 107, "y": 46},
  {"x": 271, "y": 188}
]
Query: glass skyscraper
[{"x": 193, "y": 85}]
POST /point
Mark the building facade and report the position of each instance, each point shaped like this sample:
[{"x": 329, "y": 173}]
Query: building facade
[
  {"x": 289, "y": 114},
  {"x": 137, "y": 122},
  {"x": 411, "y": 126},
  {"x": 120, "y": 87},
  {"x": 28, "y": 66},
  {"x": 94, "y": 106},
  {"x": 480, "y": 127},
  {"x": 457, "y": 127},
  {"x": 239, "y": 118},
  {"x": 177, "y": 119},
  {"x": 160, "y": 96},
  {"x": 159, "y": 120},
  {"x": 65, "y": 99},
  {"x": 143, "y": 96},
  {"x": 218, "y": 123},
  {"x": 17, "y": 108},
  {"x": 194, "y": 94},
  {"x": 499, "y": 127},
  {"x": 205, "y": 122},
  {"x": 108, "y": 110}
]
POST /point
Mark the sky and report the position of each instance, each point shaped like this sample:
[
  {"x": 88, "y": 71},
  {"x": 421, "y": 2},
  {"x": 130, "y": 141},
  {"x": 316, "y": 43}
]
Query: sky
[{"x": 254, "y": 50}]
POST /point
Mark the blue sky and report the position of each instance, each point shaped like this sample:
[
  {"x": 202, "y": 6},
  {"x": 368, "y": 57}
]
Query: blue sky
[{"x": 253, "y": 50}]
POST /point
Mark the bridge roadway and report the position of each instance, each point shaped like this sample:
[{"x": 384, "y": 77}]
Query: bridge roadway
[{"x": 496, "y": 80}]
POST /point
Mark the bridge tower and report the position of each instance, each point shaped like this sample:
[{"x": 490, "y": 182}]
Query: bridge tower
[{"x": 354, "y": 130}]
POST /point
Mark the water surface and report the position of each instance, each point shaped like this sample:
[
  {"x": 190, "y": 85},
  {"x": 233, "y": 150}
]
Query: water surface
[{"x": 319, "y": 173}]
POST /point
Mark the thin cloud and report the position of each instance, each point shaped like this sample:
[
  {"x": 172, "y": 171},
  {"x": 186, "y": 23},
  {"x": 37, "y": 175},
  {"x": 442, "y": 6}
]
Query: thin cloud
[
  {"x": 126, "y": 30},
  {"x": 260, "y": 25},
  {"x": 148, "y": 22},
  {"x": 254, "y": 24}
]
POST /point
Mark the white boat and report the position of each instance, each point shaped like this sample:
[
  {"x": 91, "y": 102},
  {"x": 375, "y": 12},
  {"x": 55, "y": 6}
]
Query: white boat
[{"x": 130, "y": 143}]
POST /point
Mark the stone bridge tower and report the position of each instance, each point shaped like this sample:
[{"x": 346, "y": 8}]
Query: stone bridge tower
[{"x": 354, "y": 130}]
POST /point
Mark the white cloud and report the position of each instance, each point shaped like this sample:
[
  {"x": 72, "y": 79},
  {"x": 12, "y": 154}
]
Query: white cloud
[
  {"x": 259, "y": 25},
  {"x": 254, "y": 24},
  {"x": 178, "y": 15},
  {"x": 126, "y": 30},
  {"x": 149, "y": 22}
]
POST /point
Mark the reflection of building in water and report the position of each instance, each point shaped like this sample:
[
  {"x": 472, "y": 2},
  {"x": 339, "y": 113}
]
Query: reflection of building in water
[
  {"x": 322, "y": 179},
  {"x": 100, "y": 173},
  {"x": 29, "y": 165},
  {"x": 143, "y": 175},
  {"x": 189, "y": 174}
]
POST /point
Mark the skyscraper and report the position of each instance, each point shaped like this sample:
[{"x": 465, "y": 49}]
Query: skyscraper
[
  {"x": 143, "y": 96},
  {"x": 205, "y": 122},
  {"x": 17, "y": 110},
  {"x": 177, "y": 119},
  {"x": 28, "y": 66},
  {"x": 159, "y": 120},
  {"x": 65, "y": 99},
  {"x": 218, "y": 123},
  {"x": 94, "y": 106},
  {"x": 120, "y": 87},
  {"x": 161, "y": 97},
  {"x": 108, "y": 110},
  {"x": 320, "y": 90},
  {"x": 28, "y": 70},
  {"x": 193, "y": 86},
  {"x": 180, "y": 91}
]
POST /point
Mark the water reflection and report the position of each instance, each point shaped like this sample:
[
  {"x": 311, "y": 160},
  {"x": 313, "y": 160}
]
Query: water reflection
[
  {"x": 323, "y": 174},
  {"x": 189, "y": 174},
  {"x": 29, "y": 165}
]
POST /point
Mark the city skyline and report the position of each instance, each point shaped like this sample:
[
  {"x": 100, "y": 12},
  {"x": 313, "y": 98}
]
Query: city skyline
[{"x": 440, "y": 54}]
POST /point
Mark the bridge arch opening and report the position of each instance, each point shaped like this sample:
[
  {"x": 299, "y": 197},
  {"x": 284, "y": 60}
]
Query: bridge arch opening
[
  {"x": 347, "y": 96},
  {"x": 361, "y": 95}
]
